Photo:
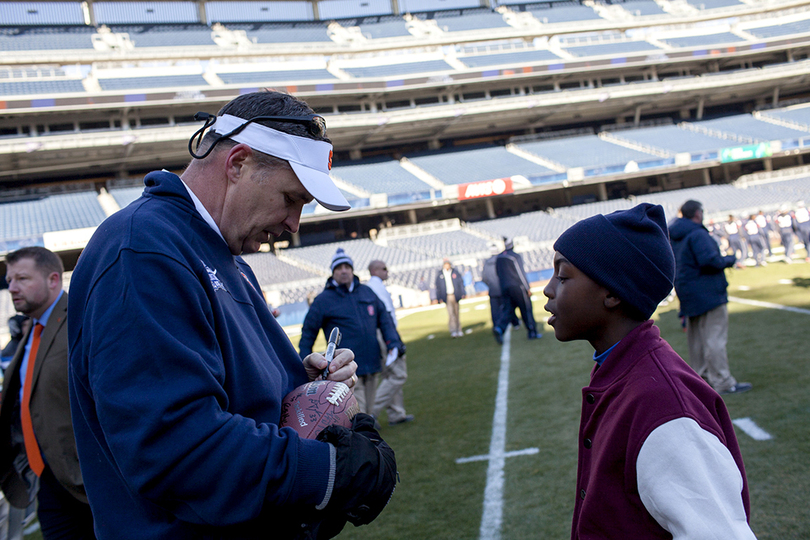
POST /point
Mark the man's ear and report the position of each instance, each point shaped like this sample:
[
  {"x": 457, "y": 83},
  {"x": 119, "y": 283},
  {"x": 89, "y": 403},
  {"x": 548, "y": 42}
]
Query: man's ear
[
  {"x": 237, "y": 158},
  {"x": 612, "y": 301}
]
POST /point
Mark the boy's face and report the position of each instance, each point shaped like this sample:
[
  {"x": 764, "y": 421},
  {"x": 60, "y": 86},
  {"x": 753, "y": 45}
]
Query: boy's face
[{"x": 576, "y": 303}]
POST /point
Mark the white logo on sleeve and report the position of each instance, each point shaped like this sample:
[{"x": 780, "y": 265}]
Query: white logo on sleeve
[{"x": 215, "y": 281}]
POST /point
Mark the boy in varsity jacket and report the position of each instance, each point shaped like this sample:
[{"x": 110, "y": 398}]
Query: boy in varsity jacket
[{"x": 658, "y": 457}]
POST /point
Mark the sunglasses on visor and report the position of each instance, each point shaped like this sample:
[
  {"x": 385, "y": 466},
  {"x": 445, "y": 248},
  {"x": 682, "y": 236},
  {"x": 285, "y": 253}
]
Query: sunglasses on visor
[{"x": 316, "y": 126}]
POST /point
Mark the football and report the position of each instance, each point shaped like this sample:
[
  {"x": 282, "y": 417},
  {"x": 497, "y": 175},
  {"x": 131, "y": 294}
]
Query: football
[{"x": 313, "y": 406}]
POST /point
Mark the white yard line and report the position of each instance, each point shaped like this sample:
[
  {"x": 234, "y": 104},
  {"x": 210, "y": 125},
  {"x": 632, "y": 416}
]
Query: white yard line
[
  {"x": 525, "y": 452},
  {"x": 768, "y": 305},
  {"x": 493, "y": 493},
  {"x": 492, "y": 517},
  {"x": 751, "y": 429}
]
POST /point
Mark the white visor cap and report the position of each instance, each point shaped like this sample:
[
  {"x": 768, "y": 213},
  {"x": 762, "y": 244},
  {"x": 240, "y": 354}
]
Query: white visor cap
[{"x": 311, "y": 160}]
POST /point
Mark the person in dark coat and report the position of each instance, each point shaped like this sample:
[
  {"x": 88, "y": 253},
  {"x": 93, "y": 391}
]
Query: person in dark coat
[
  {"x": 450, "y": 289},
  {"x": 516, "y": 293},
  {"x": 489, "y": 275},
  {"x": 700, "y": 283},
  {"x": 358, "y": 312}
]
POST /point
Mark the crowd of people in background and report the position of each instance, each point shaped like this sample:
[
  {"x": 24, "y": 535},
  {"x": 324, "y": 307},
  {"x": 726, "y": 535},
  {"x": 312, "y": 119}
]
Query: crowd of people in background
[{"x": 758, "y": 237}]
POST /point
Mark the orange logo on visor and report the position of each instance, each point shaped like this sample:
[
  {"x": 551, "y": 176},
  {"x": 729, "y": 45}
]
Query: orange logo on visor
[{"x": 330, "y": 160}]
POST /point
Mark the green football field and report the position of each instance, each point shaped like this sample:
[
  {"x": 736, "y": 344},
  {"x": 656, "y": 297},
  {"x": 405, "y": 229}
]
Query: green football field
[{"x": 452, "y": 390}]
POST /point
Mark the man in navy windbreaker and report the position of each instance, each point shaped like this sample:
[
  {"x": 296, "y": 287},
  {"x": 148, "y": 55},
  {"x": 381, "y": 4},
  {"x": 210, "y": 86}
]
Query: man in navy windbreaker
[
  {"x": 178, "y": 368},
  {"x": 357, "y": 311},
  {"x": 516, "y": 292},
  {"x": 700, "y": 283}
]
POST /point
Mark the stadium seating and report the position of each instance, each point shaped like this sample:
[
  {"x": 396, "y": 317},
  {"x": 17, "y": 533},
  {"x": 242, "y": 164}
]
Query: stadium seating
[
  {"x": 281, "y": 75},
  {"x": 124, "y": 196},
  {"x": 704, "y": 40},
  {"x": 41, "y": 87},
  {"x": 398, "y": 69},
  {"x": 284, "y": 33},
  {"x": 564, "y": 14},
  {"x": 713, "y": 4},
  {"x": 536, "y": 226},
  {"x": 270, "y": 270},
  {"x": 672, "y": 139},
  {"x": 505, "y": 58},
  {"x": 470, "y": 20},
  {"x": 166, "y": 35},
  {"x": 445, "y": 244},
  {"x": 383, "y": 177},
  {"x": 747, "y": 126},
  {"x": 585, "y": 151},
  {"x": 52, "y": 213},
  {"x": 785, "y": 29},
  {"x": 46, "y": 38},
  {"x": 642, "y": 8},
  {"x": 41, "y": 13},
  {"x": 612, "y": 48},
  {"x": 793, "y": 115},
  {"x": 111, "y": 13},
  {"x": 362, "y": 252},
  {"x": 384, "y": 27},
  {"x": 475, "y": 165},
  {"x": 164, "y": 81},
  {"x": 252, "y": 11}
]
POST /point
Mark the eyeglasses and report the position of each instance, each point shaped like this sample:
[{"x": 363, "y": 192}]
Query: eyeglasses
[{"x": 316, "y": 126}]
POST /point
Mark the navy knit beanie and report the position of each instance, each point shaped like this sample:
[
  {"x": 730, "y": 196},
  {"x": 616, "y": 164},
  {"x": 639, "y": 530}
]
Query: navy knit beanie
[
  {"x": 339, "y": 258},
  {"x": 627, "y": 252}
]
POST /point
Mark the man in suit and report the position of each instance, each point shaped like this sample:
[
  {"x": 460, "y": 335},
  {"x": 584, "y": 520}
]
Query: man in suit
[
  {"x": 37, "y": 447},
  {"x": 450, "y": 290}
]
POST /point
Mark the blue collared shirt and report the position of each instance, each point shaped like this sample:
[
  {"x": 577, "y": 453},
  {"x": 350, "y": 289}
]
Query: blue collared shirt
[
  {"x": 44, "y": 322},
  {"x": 601, "y": 358}
]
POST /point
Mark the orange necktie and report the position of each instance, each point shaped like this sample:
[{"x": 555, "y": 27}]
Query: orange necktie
[{"x": 31, "y": 446}]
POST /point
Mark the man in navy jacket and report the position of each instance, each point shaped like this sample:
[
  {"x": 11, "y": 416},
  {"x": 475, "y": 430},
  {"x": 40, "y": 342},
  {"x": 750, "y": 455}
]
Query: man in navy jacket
[
  {"x": 358, "y": 312},
  {"x": 700, "y": 283},
  {"x": 177, "y": 367},
  {"x": 516, "y": 292}
]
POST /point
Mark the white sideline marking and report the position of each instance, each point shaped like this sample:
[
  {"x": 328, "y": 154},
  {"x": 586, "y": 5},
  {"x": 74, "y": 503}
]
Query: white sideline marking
[
  {"x": 525, "y": 452},
  {"x": 751, "y": 429},
  {"x": 493, "y": 493},
  {"x": 768, "y": 305}
]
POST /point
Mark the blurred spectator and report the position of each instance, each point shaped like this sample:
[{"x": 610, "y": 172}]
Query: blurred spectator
[
  {"x": 765, "y": 226},
  {"x": 754, "y": 238},
  {"x": 786, "y": 226},
  {"x": 735, "y": 242},
  {"x": 802, "y": 217},
  {"x": 490, "y": 278},
  {"x": 450, "y": 289},
  {"x": 515, "y": 291},
  {"x": 395, "y": 371}
]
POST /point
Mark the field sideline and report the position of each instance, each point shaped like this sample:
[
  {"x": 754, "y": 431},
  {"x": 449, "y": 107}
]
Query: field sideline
[{"x": 453, "y": 387}]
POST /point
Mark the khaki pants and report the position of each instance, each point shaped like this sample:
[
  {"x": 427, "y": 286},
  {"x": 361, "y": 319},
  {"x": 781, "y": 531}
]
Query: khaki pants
[
  {"x": 365, "y": 390},
  {"x": 707, "y": 335},
  {"x": 452, "y": 315},
  {"x": 389, "y": 389}
]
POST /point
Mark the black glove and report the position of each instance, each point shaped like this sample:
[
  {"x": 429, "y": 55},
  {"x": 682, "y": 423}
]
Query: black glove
[
  {"x": 365, "y": 475},
  {"x": 401, "y": 350}
]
